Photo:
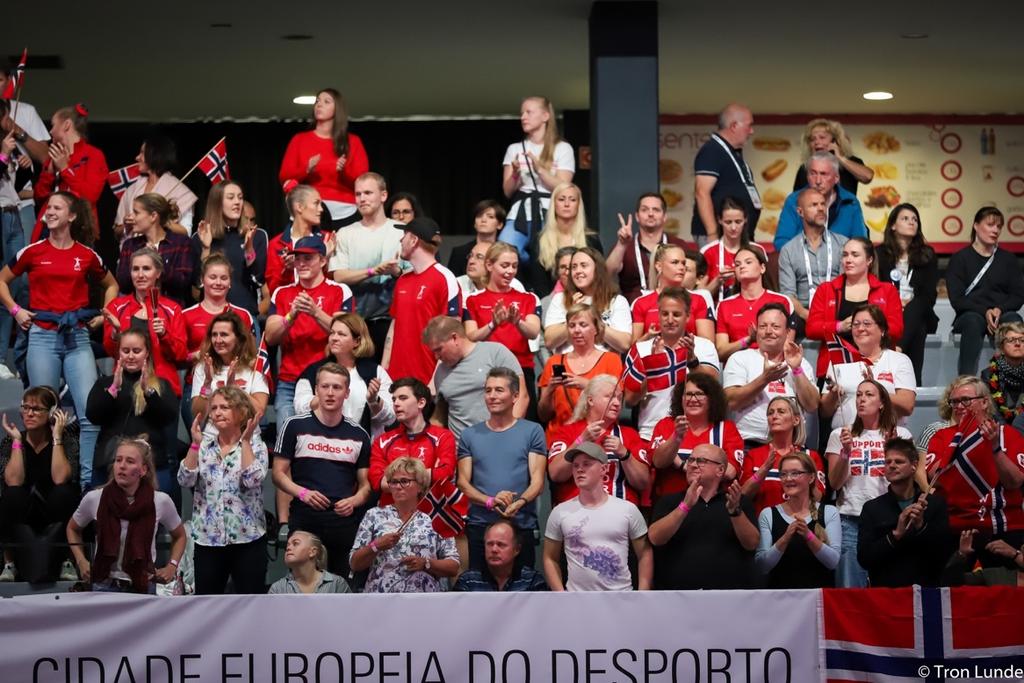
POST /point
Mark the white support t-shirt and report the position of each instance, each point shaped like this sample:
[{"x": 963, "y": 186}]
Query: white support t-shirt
[
  {"x": 596, "y": 542},
  {"x": 893, "y": 371},
  {"x": 867, "y": 468}
]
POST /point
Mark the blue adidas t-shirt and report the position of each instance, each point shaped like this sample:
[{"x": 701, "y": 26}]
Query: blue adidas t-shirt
[{"x": 324, "y": 458}]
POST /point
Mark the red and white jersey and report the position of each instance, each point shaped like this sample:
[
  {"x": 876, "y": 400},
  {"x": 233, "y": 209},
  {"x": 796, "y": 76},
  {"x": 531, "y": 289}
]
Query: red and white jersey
[
  {"x": 970, "y": 482},
  {"x": 673, "y": 479},
  {"x": 305, "y": 341},
  {"x": 58, "y": 279},
  {"x": 645, "y": 310},
  {"x": 718, "y": 256},
  {"x": 434, "y": 447},
  {"x": 615, "y": 482},
  {"x": 770, "y": 492},
  {"x": 418, "y": 298},
  {"x": 736, "y": 315},
  {"x": 480, "y": 308}
]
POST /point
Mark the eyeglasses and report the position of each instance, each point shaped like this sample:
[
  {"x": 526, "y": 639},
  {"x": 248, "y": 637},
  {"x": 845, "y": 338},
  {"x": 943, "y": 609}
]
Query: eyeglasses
[
  {"x": 695, "y": 396},
  {"x": 1014, "y": 340},
  {"x": 400, "y": 483},
  {"x": 26, "y": 408},
  {"x": 401, "y": 212},
  {"x": 863, "y": 323},
  {"x": 795, "y": 474},
  {"x": 700, "y": 462},
  {"x": 956, "y": 402}
]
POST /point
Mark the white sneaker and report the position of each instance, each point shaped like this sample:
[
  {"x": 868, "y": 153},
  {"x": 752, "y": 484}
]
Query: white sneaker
[
  {"x": 9, "y": 573},
  {"x": 68, "y": 572},
  {"x": 5, "y": 372}
]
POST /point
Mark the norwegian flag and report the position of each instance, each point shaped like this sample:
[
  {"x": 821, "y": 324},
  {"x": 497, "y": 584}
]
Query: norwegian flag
[
  {"x": 920, "y": 634},
  {"x": 839, "y": 352},
  {"x": 262, "y": 365},
  {"x": 10, "y": 91},
  {"x": 215, "y": 163},
  {"x": 447, "y": 507},
  {"x": 661, "y": 370},
  {"x": 121, "y": 179}
]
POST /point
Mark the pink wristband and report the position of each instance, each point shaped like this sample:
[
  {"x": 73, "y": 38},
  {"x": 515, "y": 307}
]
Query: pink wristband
[
  {"x": 810, "y": 536},
  {"x": 16, "y": 444},
  {"x": 839, "y": 325},
  {"x": 684, "y": 507},
  {"x": 303, "y": 493},
  {"x": 798, "y": 370},
  {"x": 373, "y": 546},
  {"x": 490, "y": 503},
  {"x": 745, "y": 342},
  {"x": 194, "y": 447},
  {"x": 15, "y": 310},
  {"x": 370, "y": 272}
]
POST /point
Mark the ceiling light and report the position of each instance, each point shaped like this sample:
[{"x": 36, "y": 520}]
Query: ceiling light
[
  {"x": 913, "y": 36},
  {"x": 304, "y": 99},
  {"x": 878, "y": 95}
]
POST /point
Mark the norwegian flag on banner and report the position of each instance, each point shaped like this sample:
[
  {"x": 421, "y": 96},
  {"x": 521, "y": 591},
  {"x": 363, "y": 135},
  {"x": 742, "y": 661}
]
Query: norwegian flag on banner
[
  {"x": 10, "y": 91},
  {"x": 447, "y": 507},
  {"x": 215, "y": 163},
  {"x": 921, "y": 634},
  {"x": 121, "y": 179}
]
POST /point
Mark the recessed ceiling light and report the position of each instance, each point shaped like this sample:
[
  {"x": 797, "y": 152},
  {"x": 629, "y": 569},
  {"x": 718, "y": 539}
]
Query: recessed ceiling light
[
  {"x": 297, "y": 36},
  {"x": 304, "y": 99},
  {"x": 878, "y": 95},
  {"x": 913, "y": 36}
]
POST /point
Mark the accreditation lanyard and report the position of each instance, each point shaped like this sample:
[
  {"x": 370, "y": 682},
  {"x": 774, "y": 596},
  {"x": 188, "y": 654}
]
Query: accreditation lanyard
[
  {"x": 807, "y": 264},
  {"x": 747, "y": 177},
  {"x": 981, "y": 273},
  {"x": 640, "y": 264}
]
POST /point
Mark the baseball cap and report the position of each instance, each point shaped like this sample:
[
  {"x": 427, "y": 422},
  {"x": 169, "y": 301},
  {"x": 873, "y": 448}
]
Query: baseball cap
[
  {"x": 310, "y": 244},
  {"x": 587, "y": 448},
  {"x": 424, "y": 228}
]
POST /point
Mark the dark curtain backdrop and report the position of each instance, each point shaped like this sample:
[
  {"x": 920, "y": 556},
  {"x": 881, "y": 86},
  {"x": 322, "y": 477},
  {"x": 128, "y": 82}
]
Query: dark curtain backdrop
[{"x": 449, "y": 164}]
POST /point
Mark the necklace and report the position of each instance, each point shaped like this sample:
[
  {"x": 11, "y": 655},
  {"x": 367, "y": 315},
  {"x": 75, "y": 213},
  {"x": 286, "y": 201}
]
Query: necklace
[{"x": 999, "y": 397}]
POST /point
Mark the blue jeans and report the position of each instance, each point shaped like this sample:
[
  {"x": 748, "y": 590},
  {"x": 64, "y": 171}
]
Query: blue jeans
[
  {"x": 284, "y": 403},
  {"x": 12, "y": 240},
  {"x": 78, "y": 368},
  {"x": 28, "y": 221},
  {"x": 849, "y": 573}
]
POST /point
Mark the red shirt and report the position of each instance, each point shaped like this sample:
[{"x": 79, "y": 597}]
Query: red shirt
[
  {"x": 304, "y": 342},
  {"x": 615, "y": 482},
  {"x": 58, "y": 279},
  {"x": 434, "y": 446},
  {"x": 971, "y": 488},
  {"x": 332, "y": 185},
  {"x": 770, "y": 492},
  {"x": 673, "y": 479},
  {"x": 715, "y": 251},
  {"x": 645, "y": 310},
  {"x": 736, "y": 315},
  {"x": 168, "y": 350},
  {"x": 418, "y": 298},
  {"x": 85, "y": 177},
  {"x": 276, "y": 275},
  {"x": 480, "y": 307}
]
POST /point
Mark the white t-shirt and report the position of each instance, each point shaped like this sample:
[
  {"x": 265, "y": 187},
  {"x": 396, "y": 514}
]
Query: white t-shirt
[
  {"x": 28, "y": 120},
  {"x": 247, "y": 380},
  {"x": 166, "y": 516},
  {"x": 596, "y": 542},
  {"x": 617, "y": 316},
  {"x": 356, "y": 401},
  {"x": 741, "y": 369},
  {"x": 893, "y": 371},
  {"x": 357, "y": 246},
  {"x": 563, "y": 160},
  {"x": 867, "y": 468},
  {"x": 658, "y": 403}
]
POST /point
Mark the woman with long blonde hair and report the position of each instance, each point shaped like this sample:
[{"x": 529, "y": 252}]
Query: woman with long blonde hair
[
  {"x": 564, "y": 226},
  {"x": 825, "y": 135}
]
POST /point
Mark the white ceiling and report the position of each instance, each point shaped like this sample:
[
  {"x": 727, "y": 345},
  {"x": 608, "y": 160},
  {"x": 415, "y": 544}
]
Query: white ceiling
[{"x": 130, "y": 61}]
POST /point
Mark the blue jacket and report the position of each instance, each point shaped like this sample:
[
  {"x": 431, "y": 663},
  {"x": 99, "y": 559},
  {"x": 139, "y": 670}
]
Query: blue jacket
[{"x": 844, "y": 218}]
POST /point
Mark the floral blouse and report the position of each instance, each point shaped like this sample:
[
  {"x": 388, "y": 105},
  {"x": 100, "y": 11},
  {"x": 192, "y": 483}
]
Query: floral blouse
[
  {"x": 227, "y": 503},
  {"x": 387, "y": 575}
]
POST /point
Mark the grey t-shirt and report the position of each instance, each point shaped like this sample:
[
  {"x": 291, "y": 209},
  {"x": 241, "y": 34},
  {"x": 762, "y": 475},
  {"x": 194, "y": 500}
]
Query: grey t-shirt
[
  {"x": 501, "y": 462},
  {"x": 462, "y": 387}
]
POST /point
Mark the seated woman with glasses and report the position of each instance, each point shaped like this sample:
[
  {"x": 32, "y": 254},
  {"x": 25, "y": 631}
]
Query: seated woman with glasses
[
  {"x": 800, "y": 541},
  {"x": 1004, "y": 374},
  {"x": 873, "y": 357},
  {"x": 398, "y": 543}
]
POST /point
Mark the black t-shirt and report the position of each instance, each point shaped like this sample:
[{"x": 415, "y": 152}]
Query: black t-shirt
[
  {"x": 704, "y": 553},
  {"x": 847, "y": 180},
  {"x": 324, "y": 458},
  {"x": 713, "y": 160}
]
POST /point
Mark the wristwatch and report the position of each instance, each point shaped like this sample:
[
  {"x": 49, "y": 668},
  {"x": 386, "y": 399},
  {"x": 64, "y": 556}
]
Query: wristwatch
[{"x": 426, "y": 566}]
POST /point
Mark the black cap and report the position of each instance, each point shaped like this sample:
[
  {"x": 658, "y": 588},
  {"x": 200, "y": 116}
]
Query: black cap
[{"x": 424, "y": 228}]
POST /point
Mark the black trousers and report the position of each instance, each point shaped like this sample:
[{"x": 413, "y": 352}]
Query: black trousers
[
  {"x": 244, "y": 563},
  {"x": 379, "y": 333},
  {"x": 20, "y": 505}
]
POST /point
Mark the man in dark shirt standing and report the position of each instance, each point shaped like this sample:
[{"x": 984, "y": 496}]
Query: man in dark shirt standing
[
  {"x": 720, "y": 172},
  {"x": 501, "y": 573},
  {"x": 704, "y": 538},
  {"x": 904, "y": 534}
]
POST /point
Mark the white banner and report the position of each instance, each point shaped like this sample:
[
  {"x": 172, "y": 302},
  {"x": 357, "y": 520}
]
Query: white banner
[{"x": 457, "y": 638}]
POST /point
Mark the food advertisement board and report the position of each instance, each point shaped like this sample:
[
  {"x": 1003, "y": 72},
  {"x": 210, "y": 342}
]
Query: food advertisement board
[{"x": 948, "y": 167}]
